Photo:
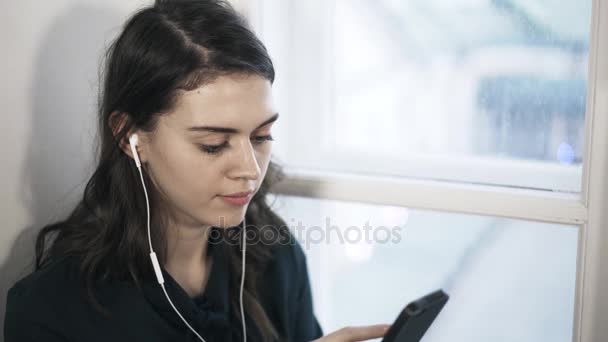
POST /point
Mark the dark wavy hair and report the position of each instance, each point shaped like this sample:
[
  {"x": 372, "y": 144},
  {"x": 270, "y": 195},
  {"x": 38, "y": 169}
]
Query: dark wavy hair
[{"x": 170, "y": 46}]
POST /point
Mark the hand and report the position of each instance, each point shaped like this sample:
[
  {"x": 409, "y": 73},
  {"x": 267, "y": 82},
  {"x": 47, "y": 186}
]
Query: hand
[{"x": 353, "y": 334}]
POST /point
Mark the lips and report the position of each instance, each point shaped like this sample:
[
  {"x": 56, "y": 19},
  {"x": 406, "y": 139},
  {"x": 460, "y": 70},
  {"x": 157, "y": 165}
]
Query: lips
[
  {"x": 238, "y": 198},
  {"x": 239, "y": 194},
  {"x": 241, "y": 200}
]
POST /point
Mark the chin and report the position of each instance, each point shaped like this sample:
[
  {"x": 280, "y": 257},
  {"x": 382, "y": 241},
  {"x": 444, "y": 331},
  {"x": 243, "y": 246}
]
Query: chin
[{"x": 230, "y": 219}]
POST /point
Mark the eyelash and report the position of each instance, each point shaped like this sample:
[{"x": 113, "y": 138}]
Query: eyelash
[{"x": 214, "y": 149}]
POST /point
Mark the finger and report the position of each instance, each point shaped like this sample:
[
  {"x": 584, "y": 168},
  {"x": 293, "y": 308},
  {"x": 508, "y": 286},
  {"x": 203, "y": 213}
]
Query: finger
[{"x": 363, "y": 333}]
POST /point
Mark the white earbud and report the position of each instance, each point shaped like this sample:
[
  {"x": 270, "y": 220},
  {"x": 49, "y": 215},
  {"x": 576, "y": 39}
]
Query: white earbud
[{"x": 133, "y": 140}]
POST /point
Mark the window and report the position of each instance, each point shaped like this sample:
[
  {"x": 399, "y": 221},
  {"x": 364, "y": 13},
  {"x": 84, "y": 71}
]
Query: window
[
  {"x": 366, "y": 261},
  {"x": 463, "y": 114},
  {"x": 469, "y": 91}
]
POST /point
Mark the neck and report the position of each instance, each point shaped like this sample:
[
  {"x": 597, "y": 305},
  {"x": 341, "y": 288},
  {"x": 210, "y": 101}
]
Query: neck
[{"x": 187, "y": 247}]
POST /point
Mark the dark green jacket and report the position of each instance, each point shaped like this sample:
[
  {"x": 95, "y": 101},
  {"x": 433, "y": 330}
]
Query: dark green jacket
[{"x": 49, "y": 305}]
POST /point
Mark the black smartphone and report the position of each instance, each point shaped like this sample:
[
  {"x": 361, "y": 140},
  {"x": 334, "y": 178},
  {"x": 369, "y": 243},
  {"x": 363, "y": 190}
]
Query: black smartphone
[{"x": 413, "y": 321}]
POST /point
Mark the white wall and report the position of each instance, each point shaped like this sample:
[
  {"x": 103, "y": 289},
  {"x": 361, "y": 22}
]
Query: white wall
[{"x": 50, "y": 57}]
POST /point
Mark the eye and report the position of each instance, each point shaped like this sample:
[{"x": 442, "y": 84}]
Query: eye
[
  {"x": 213, "y": 149},
  {"x": 260, "y": 139}
]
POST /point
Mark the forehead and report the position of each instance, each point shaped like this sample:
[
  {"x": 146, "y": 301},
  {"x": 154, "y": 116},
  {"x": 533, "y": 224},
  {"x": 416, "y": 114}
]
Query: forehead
[{"x": 239, "y": 101}]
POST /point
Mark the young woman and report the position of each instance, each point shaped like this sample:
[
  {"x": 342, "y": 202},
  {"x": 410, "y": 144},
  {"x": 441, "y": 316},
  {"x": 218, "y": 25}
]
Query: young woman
[{"x": 185, "y": 120}]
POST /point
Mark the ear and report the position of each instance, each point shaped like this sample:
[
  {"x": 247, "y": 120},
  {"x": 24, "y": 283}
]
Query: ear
[{"x": 118, "y": 122}]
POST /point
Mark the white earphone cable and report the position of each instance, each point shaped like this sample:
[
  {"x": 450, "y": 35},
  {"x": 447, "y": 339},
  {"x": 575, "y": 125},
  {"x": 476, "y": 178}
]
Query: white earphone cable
[
  {"x": 155, "y": 261},
  {"x": 156, "y": 265},
  {"x": 243, "y": 281}
]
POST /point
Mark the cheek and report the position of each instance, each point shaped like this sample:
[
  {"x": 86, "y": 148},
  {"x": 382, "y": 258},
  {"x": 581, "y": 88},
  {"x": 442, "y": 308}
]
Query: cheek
[
  {"x": 178, "y": 163},
  {"x": 184, "y": 174}
]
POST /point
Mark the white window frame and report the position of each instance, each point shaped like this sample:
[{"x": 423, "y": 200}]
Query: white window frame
[{"x": 587, "y": 210}]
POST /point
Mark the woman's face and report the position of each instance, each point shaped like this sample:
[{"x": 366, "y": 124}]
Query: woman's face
[{"x": 214, "y": 143}]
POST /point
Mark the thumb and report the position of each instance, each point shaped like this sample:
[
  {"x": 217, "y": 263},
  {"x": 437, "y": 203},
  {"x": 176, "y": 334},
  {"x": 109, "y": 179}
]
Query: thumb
[{"x": 361, "y": 333}]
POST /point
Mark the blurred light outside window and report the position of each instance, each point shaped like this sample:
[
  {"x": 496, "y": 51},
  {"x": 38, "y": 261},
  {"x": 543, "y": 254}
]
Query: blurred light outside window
[{"x": 483, "y": 92}]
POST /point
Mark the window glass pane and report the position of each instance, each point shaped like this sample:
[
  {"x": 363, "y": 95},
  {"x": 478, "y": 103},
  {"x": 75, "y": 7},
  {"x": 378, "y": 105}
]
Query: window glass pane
[
  {"x": 509, "y": 280},
  {"x": 477, "y": 91}
]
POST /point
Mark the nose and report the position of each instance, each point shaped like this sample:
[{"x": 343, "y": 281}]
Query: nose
[{"x": 245, "y": 164}]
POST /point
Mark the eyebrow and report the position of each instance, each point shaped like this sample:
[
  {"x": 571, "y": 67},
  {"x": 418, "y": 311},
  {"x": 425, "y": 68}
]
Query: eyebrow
[{"x": 228, "y": 129}]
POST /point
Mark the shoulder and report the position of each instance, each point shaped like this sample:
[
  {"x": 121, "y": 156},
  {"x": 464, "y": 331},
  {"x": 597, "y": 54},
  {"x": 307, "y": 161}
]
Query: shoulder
[
  {"x": 288, "y": 253},
  {"x": 286, "y": 293},
  {"x": 287, "y": 268},
  {"x": 43, "y": 288},
  {"x": 37, "y": 306}
]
